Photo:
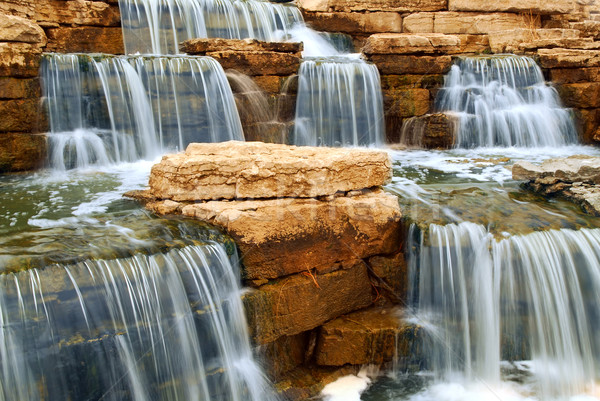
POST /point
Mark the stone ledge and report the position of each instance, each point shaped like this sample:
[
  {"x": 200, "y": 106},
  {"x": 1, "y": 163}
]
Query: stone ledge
[
  {"x": 203, "y": 45},
  {"x": 568, "y": 58},
  {"x": 517, "y": 6},
  {"x": 237, "y": 170},
  {"x": 403, "y": 43},
  {"x": 373, "y": 5}
]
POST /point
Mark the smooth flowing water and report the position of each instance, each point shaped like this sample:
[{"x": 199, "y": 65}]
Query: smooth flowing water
[
  {"x": 504, "y": 101},
  {"x": 108, "y": 109}
]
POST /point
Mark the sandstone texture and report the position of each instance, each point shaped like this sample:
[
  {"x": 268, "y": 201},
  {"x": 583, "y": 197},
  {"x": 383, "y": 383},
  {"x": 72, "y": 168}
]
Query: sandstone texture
[
  {"x": 576, "y": 178},
  {"x": 234, "y": 170},
  {"x": 431, "y": 131},
  {"x": 388, "y": 43},
  {"x": 518, "y": 6}
]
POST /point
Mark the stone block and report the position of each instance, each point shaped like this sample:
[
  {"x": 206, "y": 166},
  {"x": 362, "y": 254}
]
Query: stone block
[
  {"x": 21, "y": 152},
  {"x": 474, "y": 43},
  {"x": 17, "y": 29},
  {"x": 403, "y": 6},
  {"x": 355, "y": 23},
  {"x": 299, "y": 303},
  {"x": 253, "y": 170},
  {"x": 580, "y": 95},
  {"x": 19, "y": 60},
  {"x": 411, "y": 81},
  {"x": 588, "y": 123},
  {"x": 204, "y": 45},
  {"x": 418, "y": 23},
  {"x": 284, "y": 354},
  {"x": 406, "y": 102},
  {"x": 20, "y": 88},
  {"x": 107, "y": 40},
  {"x": 410, "y": 64},
  {"x": 77, "y": 12},
  {"x": 284, "y": 236},
  {"x": 514, "y": 39},
  {"x": 477, "y": 23},
  {"x": 20, "y": 115},
  {"x": 569, "y": 58},
  {"x": 406, "y": 43},
  {"x": 393, "y": 271},
  {"x": 431, "y": 131},
  {"x": 258, "y": 62},
  {"x": 515, "y": 6}
]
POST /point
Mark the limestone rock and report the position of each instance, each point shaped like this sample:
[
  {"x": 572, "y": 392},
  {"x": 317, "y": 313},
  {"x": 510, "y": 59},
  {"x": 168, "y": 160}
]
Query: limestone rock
[
  {"x": 284, "y": 236},
  {"x": 17, "y": 29},
  {"x": 21, "y": 152},
  {"x": 406, "y": 102},
  {"x": 86, "y": 39},
  {"x": 574, "y": 75},
  {"x": 514, "y": 39},
  {"x": 572, "y": 169},
  {"x": 77, "y": 12},
  {"x": 393, "y": 271},
  {"x": 19, "y": 60},
  {"x": 205, "y": 45},
  {"x": 355, "y": 23},
  {"x": 20, "y": 115},
  {"x": 372, "y": 5},
  {"x": 587, "y": 196},
  {"x": 516, "y": 6},
  {"x": 258, "y": 62},
  {"x": 409, "y": 64},
  {"x": 365, "y": 337},
  {"x": 20, "y": 88},
  {"x": 449, "y": 22},
  {"x": 431, "y": 131},
  {"x": 256, "y": 170},
  {"x": 580, "y": 95},
  {"x": 567, "y": 58},
  {"x": 403, "y": 43},
  {"x": 299, "y": 303}
]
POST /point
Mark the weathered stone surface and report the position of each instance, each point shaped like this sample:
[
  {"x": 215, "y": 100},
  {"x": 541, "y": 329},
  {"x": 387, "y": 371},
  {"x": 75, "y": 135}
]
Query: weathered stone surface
[
  {"x": 17, "y": 29},
  {"x": 255, "y": 170},
  {"x": 431, "y": 131},
  {"x": 284, "y": 236},
  {"x": 411, "y": 81},
  {"x": 258, "y": 62},
  {"x": 588, "y": 123},
  {"x": 20, "y": 115},
  {"x": 300, "y": 302},
  {"x": 20, "y": 88},
  {"x": 77, "y": 12},
  {"x": 406, "y": 102},
  {"x": 284, "y": 354},
  {"x": 359, "y": 338},
  {"x": 403, "y": 43},
  {"x": 572, "y": 169},
  {"x": 86, "y": 39},
  {"x": 372, "y": 5},
  {"x": 514, "y": 39},
  {"x": 474, "y": 43},
  {"x": 204, "y": 45},
  {"x": 392, "y": 270},
  {"x": 574, "y": 75},
  {"x": 355, "y": 23},
  {"x": 566, "y": 58},
  {"x": 516, "y": 6},
  {"x": 580, "y": 95},
  {"x": 464, "y": 22},
  {"x": 21, "y": 152},
  {"x": 588, "y": 196},
  {"x": 19, "y": 60},
  {"x": 403, "y": 64}
]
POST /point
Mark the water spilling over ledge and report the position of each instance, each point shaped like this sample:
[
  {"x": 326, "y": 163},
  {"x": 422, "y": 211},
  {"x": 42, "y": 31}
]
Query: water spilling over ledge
[
  {"x": 504, "y": 101},
  {"x": 106, "y": 109}
]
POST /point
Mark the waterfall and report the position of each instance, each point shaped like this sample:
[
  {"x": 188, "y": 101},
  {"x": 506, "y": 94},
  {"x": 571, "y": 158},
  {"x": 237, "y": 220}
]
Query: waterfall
[
  {"x": 120, "y": 109},
  {"x": 146, "y": 328},
  {"x": 339, "y": 103},
  {"x": 522, "y": 297},
  {"x": 158, "y": 26},
  {"x": 504, "y": 101}
]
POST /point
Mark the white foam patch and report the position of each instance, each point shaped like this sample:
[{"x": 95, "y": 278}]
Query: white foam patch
[{"x": 349, "y": 388}]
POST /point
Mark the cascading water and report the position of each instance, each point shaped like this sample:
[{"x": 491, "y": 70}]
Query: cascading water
[
  {"x": 339, "y": 103},
  {"x": 158, "y": 26},
  {"x": 163, "y": 327},
  {"x": 524, "y": 297},
  {"x": 120, "y": 109},
  {"x": 504, "y": 101}
]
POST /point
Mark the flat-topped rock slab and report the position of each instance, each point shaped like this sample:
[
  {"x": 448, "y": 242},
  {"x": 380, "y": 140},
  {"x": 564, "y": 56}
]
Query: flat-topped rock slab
[
  {"x": 407, "y": 43},
  {"x": 256, "y": 170},
  {"x": 205, "y": 45},
  {"x": 572, "y": 169}
]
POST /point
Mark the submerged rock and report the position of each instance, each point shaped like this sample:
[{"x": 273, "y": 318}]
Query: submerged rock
[{"x": 576, "y": 178}]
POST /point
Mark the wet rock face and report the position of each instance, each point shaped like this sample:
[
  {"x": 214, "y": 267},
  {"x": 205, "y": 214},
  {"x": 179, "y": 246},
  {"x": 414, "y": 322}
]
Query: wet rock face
[{"x": 576, "y": 178}]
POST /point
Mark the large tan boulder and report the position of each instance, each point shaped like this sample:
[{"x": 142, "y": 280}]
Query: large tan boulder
[
  {"x": 516, "y": 6},
  {"x": 17, "y": 29},
  {"x": 372, "y": 5},
  {"x": 299, "y": 303},
  {"x": 280, "y": 237},
  {"x": 571, "y": 169},
  {"x": 257, "y": 170},
  {"x": 406, "y": 43}
]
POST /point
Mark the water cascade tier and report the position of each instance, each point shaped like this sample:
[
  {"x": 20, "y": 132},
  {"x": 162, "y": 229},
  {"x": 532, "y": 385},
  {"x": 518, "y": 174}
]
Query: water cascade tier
[
  {"x": 158, "y": 26},
  {"x": 533, "y": 298},
  {"x": 163, "y": 327},
  {"x": 504, "y": 101},
  {"x": 339, "y": 103},
  {"x": 107, "y": 109}
]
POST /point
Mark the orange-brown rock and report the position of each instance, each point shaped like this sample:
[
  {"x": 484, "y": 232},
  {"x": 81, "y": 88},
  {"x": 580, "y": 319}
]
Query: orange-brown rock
[
  {"x": 256, "y": 170},
  {"x": 284, "y": 236},
  {"x": 86, "y": 40},
  {"x": 411, "y": 81},
  {"x": 20, "y": 88},
  {"x": 365, "y": 337},
  {"x": 464, "y": 22},
  {"x": 392, "y": 270},
  {"x": 299, "y": 303},
  {"x": 21, "y": 152},
  {"x": 409, "y": 64},
  {"x": 258, "y": 62},
  {"x": 77, "y": 12},
  {"x": 403, "y": 43},
  {"x": 513, "y": 40},
  {"x": 20, "y": 115},
  {"x": 17, "y": 29},
  {"x": 284, "y": 354},
  {"x": 574, "y": 75},
  {"x": 19, "y": 60},
  {"x": 569, "y": 58},
  {"x": 406, "y": 102},
  {"x": 355, "y": 23},
  {"x": 205, "y": 45},
  {"x": 372, "y": 5},
  {"x": 516, "y": 6},
  {"x": 580, "y": 95},
  {"x": 431, "y": 131}
]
